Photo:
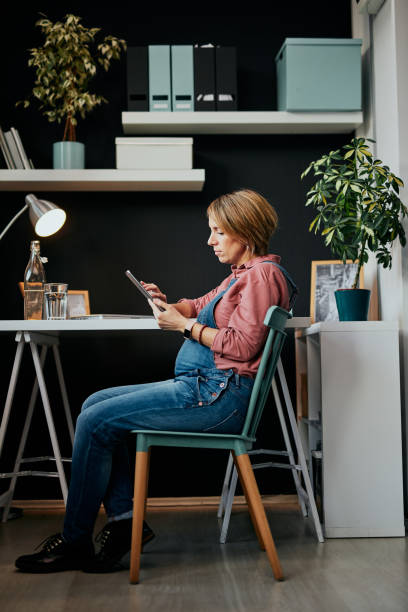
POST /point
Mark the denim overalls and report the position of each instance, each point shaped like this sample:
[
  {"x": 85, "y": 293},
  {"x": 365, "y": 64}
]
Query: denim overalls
[
  {"x": 196, "y": 366},
  {"x": 200, "y": 398}
]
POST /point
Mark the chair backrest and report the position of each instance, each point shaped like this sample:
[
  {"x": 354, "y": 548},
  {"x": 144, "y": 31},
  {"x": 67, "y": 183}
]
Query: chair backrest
[{"x": 275, "y": 319}]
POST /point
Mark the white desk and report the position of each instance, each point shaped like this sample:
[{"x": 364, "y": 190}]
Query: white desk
[
  {"x": 354, "y": 413},
  {"x": 78, "y": 325},
  {"x": 46, "y": 334},
  {"x": 103, "y": 325}
]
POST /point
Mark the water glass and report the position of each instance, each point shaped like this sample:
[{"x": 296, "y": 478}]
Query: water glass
[{"x": 55, "y": 296}]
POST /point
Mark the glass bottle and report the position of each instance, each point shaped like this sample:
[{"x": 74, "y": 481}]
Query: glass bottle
[{"x": 34, "y": 279}]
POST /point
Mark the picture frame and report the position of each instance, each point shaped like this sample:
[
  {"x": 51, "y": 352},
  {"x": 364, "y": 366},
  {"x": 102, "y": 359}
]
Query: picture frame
[
  {"x": 77, "y": 304},
  {"x": 327, "y": 276}
]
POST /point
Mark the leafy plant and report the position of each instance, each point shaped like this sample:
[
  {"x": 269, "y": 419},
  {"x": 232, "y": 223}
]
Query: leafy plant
[
  {"x": 359, "y": 209},
  {"x": 64, "y": 65}
]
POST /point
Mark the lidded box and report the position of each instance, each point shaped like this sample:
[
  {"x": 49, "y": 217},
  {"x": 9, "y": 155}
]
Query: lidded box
[
  {"x": 139, "y": 153},
  {"x": 319, "y": 74}
]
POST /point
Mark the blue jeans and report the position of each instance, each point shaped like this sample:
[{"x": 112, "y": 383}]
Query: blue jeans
[{"x": 201, "y": 401}]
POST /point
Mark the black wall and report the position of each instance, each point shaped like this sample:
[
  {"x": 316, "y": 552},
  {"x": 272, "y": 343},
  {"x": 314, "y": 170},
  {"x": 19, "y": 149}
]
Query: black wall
[{"x": 161, "y": 236}]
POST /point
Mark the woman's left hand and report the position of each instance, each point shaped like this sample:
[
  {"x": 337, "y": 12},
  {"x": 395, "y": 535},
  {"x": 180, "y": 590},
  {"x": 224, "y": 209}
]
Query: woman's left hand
[{"x": 169, "y": 318}]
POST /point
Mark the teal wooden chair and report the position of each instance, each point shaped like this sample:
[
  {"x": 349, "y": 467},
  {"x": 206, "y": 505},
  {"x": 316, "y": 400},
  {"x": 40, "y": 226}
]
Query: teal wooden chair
[{"x": 238, "y": 444}]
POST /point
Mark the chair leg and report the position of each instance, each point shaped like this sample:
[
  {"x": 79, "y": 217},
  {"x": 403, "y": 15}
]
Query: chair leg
[
  {"x": 147, "y": 480},
  {"x": 138, "y": 514},
  {"x": 225, "y": 487},
  {"x": 252, "y": 494},
  {"x": 228, "y": 504},
  {"x": 249, "y": 503}
]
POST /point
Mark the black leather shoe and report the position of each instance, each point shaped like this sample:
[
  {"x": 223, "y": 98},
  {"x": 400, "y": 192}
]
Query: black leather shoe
[
  {"x": 57, "y": 555},
  {"x": 115, "y": 539}
]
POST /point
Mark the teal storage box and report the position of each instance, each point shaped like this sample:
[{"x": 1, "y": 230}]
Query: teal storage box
[{"x": 319, "y": 74}]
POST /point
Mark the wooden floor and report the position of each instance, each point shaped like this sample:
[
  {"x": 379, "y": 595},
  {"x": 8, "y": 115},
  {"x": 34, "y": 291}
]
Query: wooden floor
[{"x": 185, "y": 569}]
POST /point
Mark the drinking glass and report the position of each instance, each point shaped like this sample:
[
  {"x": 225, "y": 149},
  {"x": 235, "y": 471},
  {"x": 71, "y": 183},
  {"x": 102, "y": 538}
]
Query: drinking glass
[{"x": 55, "y": 296}]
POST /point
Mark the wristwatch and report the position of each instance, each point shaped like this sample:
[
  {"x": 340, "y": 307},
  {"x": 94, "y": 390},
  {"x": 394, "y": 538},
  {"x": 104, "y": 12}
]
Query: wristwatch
[{"x": 188, "y": 328}]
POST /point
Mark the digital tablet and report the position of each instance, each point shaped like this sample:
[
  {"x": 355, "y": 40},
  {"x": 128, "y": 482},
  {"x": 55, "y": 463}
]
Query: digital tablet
[{"x": 142, "y": 290}]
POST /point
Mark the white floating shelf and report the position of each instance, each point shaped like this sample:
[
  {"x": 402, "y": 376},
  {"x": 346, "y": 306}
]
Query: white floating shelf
[
  {"x": 102, "y": 180},
  {"x": 240, "y": 122}
]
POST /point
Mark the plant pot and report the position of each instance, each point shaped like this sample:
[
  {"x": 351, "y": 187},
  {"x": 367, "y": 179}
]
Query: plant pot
[
  {"x": 68, "y": 155},
  {"x": 352, "y": 304}
]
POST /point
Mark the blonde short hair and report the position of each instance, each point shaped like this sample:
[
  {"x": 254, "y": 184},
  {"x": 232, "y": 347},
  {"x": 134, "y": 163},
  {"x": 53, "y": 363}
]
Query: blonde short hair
[{"x": 246, "y": 215}]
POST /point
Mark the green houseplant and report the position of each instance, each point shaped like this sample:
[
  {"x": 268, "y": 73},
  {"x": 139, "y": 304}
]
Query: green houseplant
[
  {"x": 64, "y": 66},
  {"x": 358, "y": 208}
]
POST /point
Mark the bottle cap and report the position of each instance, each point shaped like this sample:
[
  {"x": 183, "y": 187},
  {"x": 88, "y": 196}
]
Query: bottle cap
[{"x": 35, "y": 244}]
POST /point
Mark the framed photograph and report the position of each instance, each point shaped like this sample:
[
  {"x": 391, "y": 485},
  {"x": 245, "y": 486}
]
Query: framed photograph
[
  {"x": 327, "y": 276},
  {"x": 78, "y": 303}
]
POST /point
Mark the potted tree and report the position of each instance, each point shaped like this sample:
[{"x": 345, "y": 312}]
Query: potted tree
[
  {"x": 64, "y": 65},
  {"x": 358, "y": 211}
]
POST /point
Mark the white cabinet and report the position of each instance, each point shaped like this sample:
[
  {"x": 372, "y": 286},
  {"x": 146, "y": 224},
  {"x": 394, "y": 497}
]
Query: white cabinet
[{"x": 354, "y": 417}]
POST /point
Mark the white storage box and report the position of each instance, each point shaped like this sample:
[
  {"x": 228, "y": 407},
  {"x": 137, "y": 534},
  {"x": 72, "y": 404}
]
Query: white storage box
[{"x": 154, "y": 153}]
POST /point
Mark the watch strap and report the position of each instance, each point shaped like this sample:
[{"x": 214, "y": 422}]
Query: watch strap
[{"x": 188, "y": 328}]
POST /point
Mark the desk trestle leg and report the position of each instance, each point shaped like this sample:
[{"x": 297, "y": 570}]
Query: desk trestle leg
[
  {"x": 63, "y": 388},
  {"x": 23, "y": 439},
  {"x": 12, "y": 388},
  {"x": 50, "y": 420},
  {"x": 39, "y": 385}
]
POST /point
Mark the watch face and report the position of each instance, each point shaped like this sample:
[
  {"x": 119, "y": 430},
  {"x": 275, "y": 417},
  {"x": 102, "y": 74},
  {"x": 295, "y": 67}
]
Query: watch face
[{"x": 187, "y": 333}]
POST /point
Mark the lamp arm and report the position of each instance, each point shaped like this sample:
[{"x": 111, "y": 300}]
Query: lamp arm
[{"x": 13, "y": 220}]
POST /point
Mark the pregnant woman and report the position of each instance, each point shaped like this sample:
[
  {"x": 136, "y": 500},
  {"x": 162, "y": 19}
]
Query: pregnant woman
[{"x": 214, "y": 374}]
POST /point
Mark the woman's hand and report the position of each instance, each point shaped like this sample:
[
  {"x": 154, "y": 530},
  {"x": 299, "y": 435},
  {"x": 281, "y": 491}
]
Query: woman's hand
[
  {"x": 169, "y": 318},
  {"x": 154, "y": 291}
]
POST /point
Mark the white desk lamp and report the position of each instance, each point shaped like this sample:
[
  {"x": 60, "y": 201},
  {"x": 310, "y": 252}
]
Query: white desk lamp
[{"x": 46, "y": 217}]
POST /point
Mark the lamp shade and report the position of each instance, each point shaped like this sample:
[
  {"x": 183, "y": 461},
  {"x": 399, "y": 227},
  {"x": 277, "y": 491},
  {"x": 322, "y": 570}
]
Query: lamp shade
[{"x": 46, "y": 217}]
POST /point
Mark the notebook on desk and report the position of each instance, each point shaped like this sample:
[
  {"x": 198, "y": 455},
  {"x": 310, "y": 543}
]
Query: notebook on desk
[{"x": 110, "y": 316}]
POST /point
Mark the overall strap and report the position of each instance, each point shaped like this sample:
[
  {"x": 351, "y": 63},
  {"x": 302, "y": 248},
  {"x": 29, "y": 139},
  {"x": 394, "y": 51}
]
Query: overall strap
[
  {"x": 206, "y": 314},
  {"x": 290, "y": 282}
]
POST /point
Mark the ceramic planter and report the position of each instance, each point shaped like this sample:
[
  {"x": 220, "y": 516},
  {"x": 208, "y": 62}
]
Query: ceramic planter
[
  {"x": 352, "y": 304},
  {"x": 68, "y": 155}
]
